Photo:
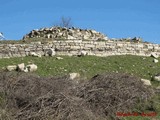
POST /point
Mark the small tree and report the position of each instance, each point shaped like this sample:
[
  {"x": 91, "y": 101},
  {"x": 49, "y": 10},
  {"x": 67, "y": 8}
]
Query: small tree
[{"x": 64, "y": 22}]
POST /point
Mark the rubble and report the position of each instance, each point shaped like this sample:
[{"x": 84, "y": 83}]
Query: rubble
[{"x": 66, "y": 33}]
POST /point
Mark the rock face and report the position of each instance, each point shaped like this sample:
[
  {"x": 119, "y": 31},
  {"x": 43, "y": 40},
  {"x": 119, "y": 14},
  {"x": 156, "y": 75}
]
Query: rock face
[{"x": 66, "y": 33}]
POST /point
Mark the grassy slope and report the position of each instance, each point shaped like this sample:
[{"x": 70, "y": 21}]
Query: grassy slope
[{"x": 90, "y": 65}]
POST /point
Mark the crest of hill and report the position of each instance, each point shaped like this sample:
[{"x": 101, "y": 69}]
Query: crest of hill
[{"x": 66, "y": 34}]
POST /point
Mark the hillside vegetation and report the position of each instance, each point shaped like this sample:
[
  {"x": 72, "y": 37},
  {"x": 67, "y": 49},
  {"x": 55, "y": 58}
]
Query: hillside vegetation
[{"x": 88, "y": 66}]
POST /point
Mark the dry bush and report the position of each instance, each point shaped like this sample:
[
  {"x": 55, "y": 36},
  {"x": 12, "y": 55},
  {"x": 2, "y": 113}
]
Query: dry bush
[
  {"x": 108, "y": 94},
  {"x": 30, "y": 97}
]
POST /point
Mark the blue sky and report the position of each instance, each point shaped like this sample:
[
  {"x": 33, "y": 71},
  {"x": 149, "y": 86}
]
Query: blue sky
[{"x": 115, "y": 18}]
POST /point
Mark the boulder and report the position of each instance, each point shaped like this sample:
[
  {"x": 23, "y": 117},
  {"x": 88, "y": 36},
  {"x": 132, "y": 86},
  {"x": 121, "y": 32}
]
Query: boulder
[
  {"x": 50, "y": 52},
  {"x": 31, "y": 67},
  {"x": 83, "y": 53},
  {"x": 34, "y": 54},
  {"x": 59, "y": 58},
  {"x": 21, "y": 67},
  {"x": 157, "y": 78},
  {"x": 155, "y": 61},
  {"x": 93, "y": 31},
  {"x": 70, "y": 37},
  {"x": 26, "y": 69},
  {"x": 154, "y": 55},
  {"x": 39, "y": 55},
  {"x": 146, "y": 82},
  {"x": 74, "y": 76},
  {"x": 136, "y": 39},
  {"x": 11, "y": 67}
]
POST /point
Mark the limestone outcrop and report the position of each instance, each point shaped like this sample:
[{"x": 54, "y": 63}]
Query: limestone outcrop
[{"x": 66, "y": 33}]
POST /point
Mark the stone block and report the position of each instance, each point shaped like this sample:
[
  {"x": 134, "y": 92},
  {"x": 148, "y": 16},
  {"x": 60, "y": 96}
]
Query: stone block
[
  {"x": 89, "y": 45},
  {"x": 75, "y": 47}
]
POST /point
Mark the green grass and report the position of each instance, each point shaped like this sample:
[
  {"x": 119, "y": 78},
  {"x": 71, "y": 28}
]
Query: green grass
[{"x": 90, "y": 65}]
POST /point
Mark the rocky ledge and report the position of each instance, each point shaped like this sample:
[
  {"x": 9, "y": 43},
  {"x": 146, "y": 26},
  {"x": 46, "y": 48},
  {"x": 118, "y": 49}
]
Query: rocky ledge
[{"x": 66, "y": 33}]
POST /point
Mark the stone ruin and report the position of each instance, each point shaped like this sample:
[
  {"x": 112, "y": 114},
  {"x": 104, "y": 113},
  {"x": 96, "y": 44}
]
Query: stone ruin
[
  {"x": 66, "y": 34},
  {"x": 63, "y": 33}
]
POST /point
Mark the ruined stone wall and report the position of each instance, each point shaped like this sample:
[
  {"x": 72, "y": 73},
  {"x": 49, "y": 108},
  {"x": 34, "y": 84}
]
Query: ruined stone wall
[
  {"x": 73, "y": 47},
  {"x": 66, "y": 34}
]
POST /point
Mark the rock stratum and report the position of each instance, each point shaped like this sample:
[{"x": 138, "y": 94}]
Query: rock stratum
[{"x": 66, "y": 33}]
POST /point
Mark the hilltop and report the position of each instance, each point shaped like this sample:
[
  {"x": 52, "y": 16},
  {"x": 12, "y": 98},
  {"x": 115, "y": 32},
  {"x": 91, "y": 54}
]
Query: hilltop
[{"x": 66, "y": 33}]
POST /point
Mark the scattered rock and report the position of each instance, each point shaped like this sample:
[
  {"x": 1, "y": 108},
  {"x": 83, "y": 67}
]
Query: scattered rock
[
  {"x": 155, "y": 61},
  {"x": 50, "y": 52},
  {"x": 26, "y": 70},
  {"x": 35, "y": 54},
  {"x": 146, "y": 82},
  {"x": 83, "y": 53},
  {"x": 59, "y": 58},
  {"x": 157, "y": 78},
  {"x": 154, "y": 55},
  {"x": 31, "y": 67},
  {"x": 38, "y": 43},
  {"x": 137, "y": 39},
  {"x": 66, "y": 33},
  {"x": 21, "y": 67},
  {"x": 74, "y": 76},
  {"x": 71, "y": 37},
  {"x": 11, "y": 67}
]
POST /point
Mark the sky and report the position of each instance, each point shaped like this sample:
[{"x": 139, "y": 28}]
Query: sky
[{"x": 114, "y": 18}]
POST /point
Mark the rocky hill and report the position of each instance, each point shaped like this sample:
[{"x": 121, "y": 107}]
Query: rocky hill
[{"x": 66, "y": 33}]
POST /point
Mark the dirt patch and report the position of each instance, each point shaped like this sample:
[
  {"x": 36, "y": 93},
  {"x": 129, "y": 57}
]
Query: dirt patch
[{"x": 30, "y": 97}]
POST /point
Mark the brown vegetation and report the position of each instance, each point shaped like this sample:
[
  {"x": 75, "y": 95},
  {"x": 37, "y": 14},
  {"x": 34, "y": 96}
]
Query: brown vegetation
[{"x": 30, "y": 97}]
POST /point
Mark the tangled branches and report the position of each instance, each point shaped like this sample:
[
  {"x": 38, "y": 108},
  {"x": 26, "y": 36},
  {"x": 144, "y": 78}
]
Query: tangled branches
[{"x": 30, "y": 97}]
